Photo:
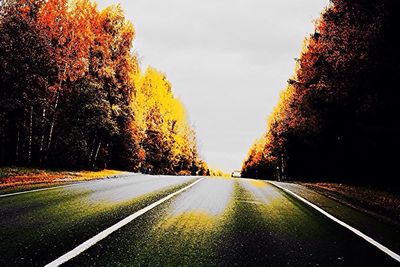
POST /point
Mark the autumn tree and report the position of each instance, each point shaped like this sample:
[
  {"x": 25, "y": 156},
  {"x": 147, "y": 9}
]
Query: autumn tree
[
  {"x": 167, "y": 141},
  {"x": 337, "y": 118},
  {"x": 114, "y": 66},
  {"x": 26, "y": 71},
  {"x": 73, "y": 95}
]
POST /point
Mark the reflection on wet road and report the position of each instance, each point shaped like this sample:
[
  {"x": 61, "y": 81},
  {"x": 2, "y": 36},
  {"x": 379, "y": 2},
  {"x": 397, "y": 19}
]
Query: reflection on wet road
[
  {"x": 218, "y": 221},
  {"x": 36, "y": 228},
  {"x": 231, "y": 222}
]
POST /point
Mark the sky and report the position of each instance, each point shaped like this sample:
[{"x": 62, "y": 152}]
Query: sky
[{"x": 227, "y": 60}]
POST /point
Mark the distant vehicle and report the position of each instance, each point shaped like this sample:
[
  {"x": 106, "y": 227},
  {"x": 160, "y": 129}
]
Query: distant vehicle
[{"x": 236, "y": 174}]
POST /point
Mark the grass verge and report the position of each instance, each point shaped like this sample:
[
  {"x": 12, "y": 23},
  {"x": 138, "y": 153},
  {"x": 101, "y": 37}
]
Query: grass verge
[
  {"x": 382, "y": 203},
  {"x": 11, "y": 177}
]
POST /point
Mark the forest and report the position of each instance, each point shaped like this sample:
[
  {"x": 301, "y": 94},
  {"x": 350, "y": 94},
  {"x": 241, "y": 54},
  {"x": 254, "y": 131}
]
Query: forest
[
  {"x": 338, "y": 118},
  {"x": 73, "y": 96}
]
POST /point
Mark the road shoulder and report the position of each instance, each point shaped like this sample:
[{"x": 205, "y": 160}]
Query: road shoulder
[
  {"x": 13, "y": 180},
  {"x": 379, "y": 203},
  {"x": 377, "y": 228}
]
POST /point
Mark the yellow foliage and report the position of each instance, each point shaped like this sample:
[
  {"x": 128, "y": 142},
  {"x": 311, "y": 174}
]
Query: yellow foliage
[
  {"x": 219, "y": 173},
  {"x": 156, "y": 108}
]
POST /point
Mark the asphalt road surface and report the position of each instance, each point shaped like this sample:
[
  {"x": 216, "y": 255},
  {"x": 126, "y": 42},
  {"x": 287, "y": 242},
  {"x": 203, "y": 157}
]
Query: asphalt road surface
[{"x": 187, "y": 221}]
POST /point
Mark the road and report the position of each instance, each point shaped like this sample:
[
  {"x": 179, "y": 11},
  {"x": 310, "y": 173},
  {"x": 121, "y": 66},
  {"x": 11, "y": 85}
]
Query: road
[{"x": 198, "y": 222}]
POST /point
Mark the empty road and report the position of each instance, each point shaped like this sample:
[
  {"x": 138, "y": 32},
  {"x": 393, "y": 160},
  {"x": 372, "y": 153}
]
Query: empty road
[{"x": 139, "y": 220}]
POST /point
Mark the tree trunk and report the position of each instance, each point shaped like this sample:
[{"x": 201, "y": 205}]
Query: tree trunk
[
  {"x": 42, "y": 137},
  {"x": 55, "y": 110},
  {"x": 92, "y": 149},
  {"x": 17, "y": 146},
  {"x": 53, "y": 120},
  {"x": 30, "y": 136},
  {"x": 3, "y": 144},
  {"x": 283, "y": 168},
  {"x": 97, "y": 153},
  {"x": 23, "y": 147}
]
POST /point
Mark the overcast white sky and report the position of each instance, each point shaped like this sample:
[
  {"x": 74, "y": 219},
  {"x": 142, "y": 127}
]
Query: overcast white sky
[{"x": 227, "y": 60}]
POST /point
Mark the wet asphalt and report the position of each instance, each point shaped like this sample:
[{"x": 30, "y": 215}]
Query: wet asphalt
[{"x": 217, "y": 222}]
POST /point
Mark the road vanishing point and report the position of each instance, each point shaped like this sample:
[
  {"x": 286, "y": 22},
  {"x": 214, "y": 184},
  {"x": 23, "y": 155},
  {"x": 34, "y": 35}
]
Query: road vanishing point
[{"x": 142, "y": 220}]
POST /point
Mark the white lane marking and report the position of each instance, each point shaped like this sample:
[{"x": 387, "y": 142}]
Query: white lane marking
[
  {"x": 354, "y": 230},
  {"x": 50, "y": 188},
  {"x": 35, "y": 190},
  {"x": 92, "y": 241}
]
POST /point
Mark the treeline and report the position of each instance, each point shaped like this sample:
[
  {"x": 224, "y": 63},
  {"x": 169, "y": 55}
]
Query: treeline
[
  {"x": 338, "y": 118},
  {"x": 72, "y": 94}
]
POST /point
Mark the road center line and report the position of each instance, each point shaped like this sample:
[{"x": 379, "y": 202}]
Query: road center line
[
  {"x": 92, "y": 241},
  {"x": 354, "y": 230},
  {"x": 36, "y": 190}
]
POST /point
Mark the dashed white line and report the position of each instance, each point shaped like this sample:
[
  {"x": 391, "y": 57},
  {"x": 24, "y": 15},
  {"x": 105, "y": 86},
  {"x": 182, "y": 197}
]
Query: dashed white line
[
  {"x": 354, "y": 230},
  {"x": 92, "y": 241}
]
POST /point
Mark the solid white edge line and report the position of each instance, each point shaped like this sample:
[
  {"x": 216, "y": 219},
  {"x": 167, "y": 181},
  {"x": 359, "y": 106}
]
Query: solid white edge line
[
  {"x": 49, "y": 188},
  {"x": 35, "y": 190},
  {"x": 354, "y": 230},
  {"x": 103, "y": 234}
]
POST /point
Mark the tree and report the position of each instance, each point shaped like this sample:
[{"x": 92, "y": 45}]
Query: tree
[
  {"x": 73, "y": 96},
  {"x": 337, "y": 118},
  {"x": 26, "y": 71},
  {"x": 167, "y": 140}
]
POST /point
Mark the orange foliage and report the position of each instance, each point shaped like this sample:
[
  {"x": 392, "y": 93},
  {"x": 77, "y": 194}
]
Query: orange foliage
[{"x": 95, "y": 108}]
